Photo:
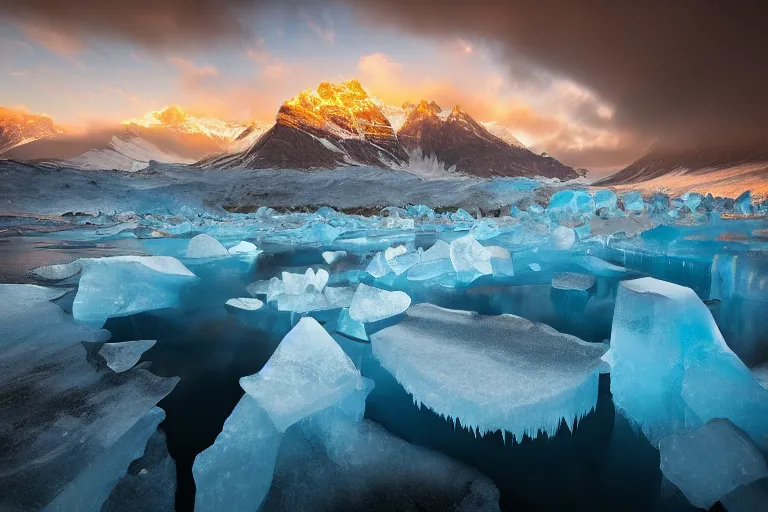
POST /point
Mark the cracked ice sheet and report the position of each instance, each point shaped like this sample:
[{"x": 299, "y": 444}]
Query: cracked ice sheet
[
  {"x": 68, "y": 429},
  {"x": 491, "y": 372}
]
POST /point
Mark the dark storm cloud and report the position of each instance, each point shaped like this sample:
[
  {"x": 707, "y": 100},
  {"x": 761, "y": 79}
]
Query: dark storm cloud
[
  {"x": 679, "y": 69},
  {"x": 153, "y": 24}
]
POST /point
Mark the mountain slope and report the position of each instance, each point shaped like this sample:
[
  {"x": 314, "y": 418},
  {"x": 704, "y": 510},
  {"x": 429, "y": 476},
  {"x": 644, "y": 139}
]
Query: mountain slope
[
  {"x": 332, "y": 126},
  {"x": 467, "y": 147},
  {"x": 704, "y": 168},
  {"x": 503, "y": 133},
  {"x": 17, "y": 128}
]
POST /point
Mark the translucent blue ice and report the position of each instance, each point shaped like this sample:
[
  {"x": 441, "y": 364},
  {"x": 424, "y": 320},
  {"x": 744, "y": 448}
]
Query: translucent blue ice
[
  {"x": 744, "y": 203},
  {"x": 124, "y": 355},
  {"x": 711, "y": 461},
  {"x": 349, "y": 327},
  {"x": 484, "y": 229},
  {"x": 491, "y": 372},
  {"x": 370, "y": 304},
  {"x": 605, "y": 198},
  {"x": 562, "y": 238},
  {"x": 469, "y": 257},
  {"x": 204, "y": 247},
  {"x": 307, "y": 373},
  {"x": 633, "y": 201},
  {"x": 566, "y": 204},
  {"x": 671, "y": 369}
]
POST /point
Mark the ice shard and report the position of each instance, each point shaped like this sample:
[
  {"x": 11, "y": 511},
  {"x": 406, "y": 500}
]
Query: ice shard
[
  {"x": 491, "y": 372},
  {"x": 671, "y": 369},
  {"x": 371, "y": 304},
  {"x": 245, "y": 303},
  {"x": 307, "y": 373},
  {"x": 123, "y": 356},
  {"x": 205, "y": 247}
]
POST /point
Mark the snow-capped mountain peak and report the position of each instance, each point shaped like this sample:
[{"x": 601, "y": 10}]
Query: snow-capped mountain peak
[
  {"x": 174, "y": 118},
  {"x": 17, "y": 128}
]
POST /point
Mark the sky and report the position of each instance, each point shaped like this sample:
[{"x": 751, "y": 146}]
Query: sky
[{"x": 592, "y": 83}]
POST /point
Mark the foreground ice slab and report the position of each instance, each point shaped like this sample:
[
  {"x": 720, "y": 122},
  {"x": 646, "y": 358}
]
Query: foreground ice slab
[
  {"x": 671, "y": 369},
  {"x": 711, "y": 461},
  {"x": 307, "y": 373},
  {"x": 126, "y": 285},
  {"x": 491, "y": 372},
  {"x": 123, "y": 356},
  {"x": 235, "y": 473},
  {"x": 69, "y": 430},
  {"x": 204, "y": 247},
  {"x": 371, "y": 304}
]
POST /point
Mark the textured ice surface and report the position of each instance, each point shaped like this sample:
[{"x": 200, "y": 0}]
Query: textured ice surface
[
  {"x": 567, "y": 203},
  {"x": 332, "y": 461},
  {"x": 349, "y": 327},
  {"x": 599, "y": 267},
  {"x": 371, "y": 304},
  {"x": 711, "y": 461},
  {"x": 605, "y": 199},
  {"x": 332, "y": 256},
  {"x": 308, "y": 372},
  {"x": 403, "y": 262},
  {"x": 491, "y": 372},
  {"x": 123, "y": 356},
  {"x": 339, "y": 296},
  {"x": 468, "y": 256},
  {"x": 572, "y": 281},
  {"x": 393, "y": 252},
  {"x": 671, "y": 369},
  {"x": 484, "y": 230},
  {"x": 75, "y": 428},
  {"x": 235, "y": 473},
  {"x": 563, "y": 238},
  {"x": 245, "y": 303},
  {"x": 440, "y": 250},
  {"x": 58, "y": 272},
  {"x": 150, "y": 483},
  {"x": 204, "y": 246},
  {"x": 125, "y": 285}
]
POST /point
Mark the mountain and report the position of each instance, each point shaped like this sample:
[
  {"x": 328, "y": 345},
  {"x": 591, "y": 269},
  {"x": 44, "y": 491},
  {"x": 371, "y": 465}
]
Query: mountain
[
  {"x": 17, "y": 128},
  {"x": 716, "y": 169},
  {"x": 503, "y": 133},
  {"x": 467, "y": 147},
  {"x": 168, "y": 135},
  {"x": 331, "y": 126}
]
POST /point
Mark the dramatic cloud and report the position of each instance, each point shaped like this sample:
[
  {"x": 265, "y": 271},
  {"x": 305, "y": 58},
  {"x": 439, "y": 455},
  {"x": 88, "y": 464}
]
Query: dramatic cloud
[{"x": 681, "y": 70}]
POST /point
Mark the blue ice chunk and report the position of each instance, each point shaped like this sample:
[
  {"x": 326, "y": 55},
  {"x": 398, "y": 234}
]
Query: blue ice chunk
[
  {"x": 123, "y": 356},
  {"x": 711, "y": 461},
  {"x": 491, "y": 372},
  {"x": 469, "y": 257},
  {"x": 235, "y": 473},
  {"x": 401, "y": 263},
  {"x": 605, "y": 198},
  {"x": 501, "y": 261},
  {"x": 244, "y": 249},
  {"x": 205, "y": 247},
  {"x": 331, "y": 257},
  {"x": 125, "y": 285},
  {"x": 349, "y": 327},
  {"x": 307, "y": 373},
  {"x": 744, "y": 203},
  {"x": 245, "y": 303},
  {"x": 378, "y": 267},
  {"x": 371, "y": 304},
  {"x": 484, "y": 229},
  {"x": 562, "y": 238},
  {"x": 569, "y": 203},
  {"x": 659, "y": 204},
  {"x": 535, "y": 267},
  {"x": 692, "y": 200},
  {"x": 535, "y": 209},
  {"x": 633, "y": 201},
  {"x": 671, "y": 369},
  {"x": 430, "y": 269},
  {"x": 439, "y": 250},
  {"x": 421, "y": 211},
  {"x": 461, "y": 215},
  {"x": 572, "y": 281}
]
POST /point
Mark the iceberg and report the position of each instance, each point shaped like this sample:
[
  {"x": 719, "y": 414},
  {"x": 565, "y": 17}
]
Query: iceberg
[
  {"x": 123, "y": 356},
  {"x": 125, "y": 285},
  {"x": 371, "y": 304},
  {"x": 711, "y": 461},
  {"x": 605, "y": 198},
  {"x": 244, "y": 303},
  {"x": 633, "y": 201},
  {"x": 244, "y": 248},
  {"x": 235, "y": 473},
  {"x": 566, "y": 204},
  {"x": 491, "y": 372},
  {"x": 332, "y": 256},
  {"x": 671, "y": 369},
  {"x": 744, "y": 203},
  {"x": 205, "y": 247},
  {"x": 307, "y": 373}
]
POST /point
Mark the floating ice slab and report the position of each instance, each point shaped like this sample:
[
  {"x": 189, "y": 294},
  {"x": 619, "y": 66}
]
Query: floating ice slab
[
  {"x": 308, "y": 372},
  {"x": 58, "y": 272},
  {"x": 563, "y": 238},
  {"x": 235, "y": 473},
  {"x": 468, "y": 256},
  {"x": 205, "y": 247},
  {"x": 391, "y": 253},
  {"x": 572, "y": 281},
  {"x": 371, "y": 304},
  {"x": 125, "y": 285},
  {"x": 123, "y": 356},
  {"x": 244, "y": 248},
  {"x": 711, "y": 461},
  {"x": 600, "y": 267},
  {"x": 258, "y": 288},
  {"x": 339, "y": 296},
  {"x": 671, "y": 369},
  {"x": 491, "y": 372},
  {"x": 245, "y": 303},
  {"x": 535, "y": 267},
  {"x": 440, "y": 250},
  {"x": 430, "y": 269},
  {"x": 378, "y": 267},
  {"x": 332, "y": 256},
  {"x": 400, "y": 264}
]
